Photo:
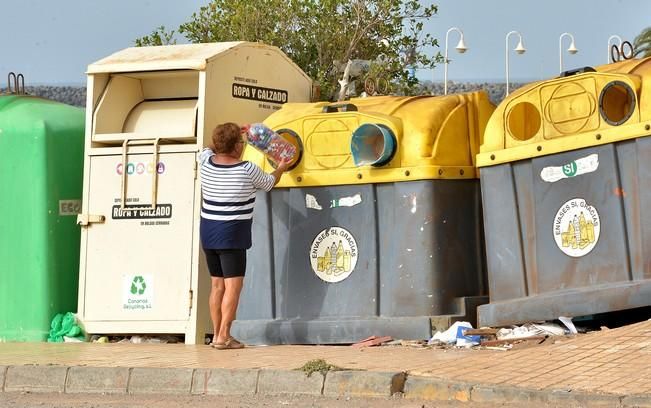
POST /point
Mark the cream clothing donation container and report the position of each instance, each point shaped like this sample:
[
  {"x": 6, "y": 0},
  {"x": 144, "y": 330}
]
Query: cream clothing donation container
[{"x": 150, "y": 111}]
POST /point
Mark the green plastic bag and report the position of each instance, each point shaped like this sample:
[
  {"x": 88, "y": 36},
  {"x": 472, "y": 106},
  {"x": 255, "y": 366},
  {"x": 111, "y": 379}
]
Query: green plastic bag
[{"x": 64, "y": 325}]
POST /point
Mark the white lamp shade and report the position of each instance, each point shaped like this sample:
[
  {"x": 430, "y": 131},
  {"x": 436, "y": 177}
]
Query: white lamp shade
[
  {"x": 572, "y": 49},
  {"x": 520, "y": 48},
  {"x": 461, "y": 47}
]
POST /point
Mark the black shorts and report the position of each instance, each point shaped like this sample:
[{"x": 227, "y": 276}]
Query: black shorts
[{"x": 226, "y": 263}]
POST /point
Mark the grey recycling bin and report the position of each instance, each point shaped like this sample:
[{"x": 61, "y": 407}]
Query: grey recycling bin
[
  {"x": 376, "y": 231},
  {"x": 565, "y": 170}
]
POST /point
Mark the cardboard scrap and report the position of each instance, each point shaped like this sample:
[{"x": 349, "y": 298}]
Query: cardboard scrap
[{"x": 372, "y": 341}]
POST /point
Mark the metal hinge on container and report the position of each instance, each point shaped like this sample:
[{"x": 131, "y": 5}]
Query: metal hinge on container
[
  {"x": 190, "y": 306},
  {"x": 195, "y": 169},
  {"x": 86, "y": 219}
]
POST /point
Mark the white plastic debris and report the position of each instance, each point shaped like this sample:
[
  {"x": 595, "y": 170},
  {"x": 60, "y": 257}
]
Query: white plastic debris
[
  {"x": 455, "y": 335},
  {"x": 551, "y": 329},
  {"x": 530, "y": 330},
  {"x": 567, "y": 321},
  {"x": 146, "y": 339}
]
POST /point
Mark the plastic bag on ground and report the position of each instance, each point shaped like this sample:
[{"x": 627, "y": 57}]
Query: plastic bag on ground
[
  {"x": 64, "y": 325},
  {"x": 454, "y": 334},
  {"x": 530, "y": 330}
]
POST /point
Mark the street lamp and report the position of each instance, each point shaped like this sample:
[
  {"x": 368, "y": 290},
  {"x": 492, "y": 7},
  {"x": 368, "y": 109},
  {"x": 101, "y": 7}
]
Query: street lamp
[
  {"x": 572, "y": 49},
  {"x": 613, "y": 37},
  {"x": 461, "y": 48},
  {"x": 519, "y": 49}
]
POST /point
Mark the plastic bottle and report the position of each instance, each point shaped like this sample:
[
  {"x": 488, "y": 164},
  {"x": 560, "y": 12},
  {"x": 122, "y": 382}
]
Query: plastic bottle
[{"x": 270, "y": 143}]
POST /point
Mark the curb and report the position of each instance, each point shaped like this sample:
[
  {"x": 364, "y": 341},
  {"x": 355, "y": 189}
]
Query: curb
[
  {"x": 219, "y": 381},
  {"x": 431, "y": 389},
  {"x": 363, "y": 384},
  {"x": 3, "y": 371},
  {"x": 277, "y": 382},
  {"x": 32, "y": 378},
  {"x": 160, "y": 381},
  {"x": 109, "y": 380}
]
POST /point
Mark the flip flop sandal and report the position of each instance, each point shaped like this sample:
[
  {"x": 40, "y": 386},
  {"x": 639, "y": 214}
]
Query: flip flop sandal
[
  {"x": 229, "y": 344},
  {"x": 213, "y": 342}
]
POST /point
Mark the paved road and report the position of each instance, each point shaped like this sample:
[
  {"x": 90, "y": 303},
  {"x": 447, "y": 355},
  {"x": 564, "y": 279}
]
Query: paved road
[{"x": 15, "y": 400}]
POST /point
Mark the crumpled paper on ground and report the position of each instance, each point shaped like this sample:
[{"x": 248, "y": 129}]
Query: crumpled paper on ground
[{"x": 530, "y": 330}]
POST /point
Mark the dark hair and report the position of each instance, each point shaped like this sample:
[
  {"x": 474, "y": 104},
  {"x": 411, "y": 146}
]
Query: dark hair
[{"x": 225, "y": 137}]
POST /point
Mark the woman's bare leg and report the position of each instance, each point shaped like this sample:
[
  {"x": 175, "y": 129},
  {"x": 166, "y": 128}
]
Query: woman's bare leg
[
  {"x": 215, "y": 303},
  {"x": 229, "y": 306}
]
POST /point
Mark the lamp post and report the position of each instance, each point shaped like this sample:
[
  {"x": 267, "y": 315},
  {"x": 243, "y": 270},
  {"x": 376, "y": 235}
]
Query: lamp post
[
  {"x": 519, "y": 49},
  {"x": 572, "y": 49},
  {"x": 461, "y": 48},
  {"x": 613, "y": 37}
]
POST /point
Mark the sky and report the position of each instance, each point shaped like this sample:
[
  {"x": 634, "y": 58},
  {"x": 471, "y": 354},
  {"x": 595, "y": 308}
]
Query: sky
[
  {"x": 53, "y": 42},
  {"x": 486, "y": 23}
]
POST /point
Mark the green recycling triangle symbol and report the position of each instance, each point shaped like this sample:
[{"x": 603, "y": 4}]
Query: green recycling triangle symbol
[{"x": 138, "y": 285}]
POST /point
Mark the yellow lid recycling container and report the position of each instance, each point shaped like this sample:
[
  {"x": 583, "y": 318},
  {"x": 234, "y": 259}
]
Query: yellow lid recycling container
[
  {"x": 587, "y": 108},
  {"x": 376, "y": 228},
  {"x": 433, "y": 138},
  {"x": 563, "y": 168}
]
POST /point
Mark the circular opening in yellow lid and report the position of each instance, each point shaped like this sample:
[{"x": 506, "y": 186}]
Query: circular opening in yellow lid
[
  {"x": 293, "y": 138},
  {"x": 616, "y": 102},
  {"x": 372, "y": 144},
  {"x": 523, "y": 121}
]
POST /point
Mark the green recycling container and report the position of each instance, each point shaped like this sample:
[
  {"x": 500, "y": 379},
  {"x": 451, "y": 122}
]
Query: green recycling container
[{"x": 41, "y": 166}]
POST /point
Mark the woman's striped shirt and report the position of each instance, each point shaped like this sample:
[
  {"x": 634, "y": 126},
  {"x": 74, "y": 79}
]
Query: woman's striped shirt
[{"x": 228, "y": 198}]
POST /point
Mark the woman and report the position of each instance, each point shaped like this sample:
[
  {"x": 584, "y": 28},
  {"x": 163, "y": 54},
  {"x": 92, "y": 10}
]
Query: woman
[{"x": 228, "y": 187}]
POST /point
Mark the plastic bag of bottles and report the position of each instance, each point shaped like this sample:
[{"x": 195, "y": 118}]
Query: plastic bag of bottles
[{"x": 270, "y": 143}]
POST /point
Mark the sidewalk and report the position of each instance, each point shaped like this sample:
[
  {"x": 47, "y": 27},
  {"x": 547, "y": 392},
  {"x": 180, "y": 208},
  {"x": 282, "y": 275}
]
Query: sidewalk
[{"x": 612, "y": 367}]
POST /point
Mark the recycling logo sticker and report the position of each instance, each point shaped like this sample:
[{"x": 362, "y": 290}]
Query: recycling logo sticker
[
  {"x": 138, "y": 292},
  {"x": 574, "y": 168},
  {"x": 333, "y": 254},
  {"x": 138, "y": 285},
  {"x": 577, "y": 227}
]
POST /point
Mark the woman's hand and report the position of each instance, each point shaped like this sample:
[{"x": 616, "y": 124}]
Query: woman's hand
[{"x": 282, "y": 167}]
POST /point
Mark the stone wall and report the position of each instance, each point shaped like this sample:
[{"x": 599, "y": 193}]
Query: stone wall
[{"x": 71, "y": 95}]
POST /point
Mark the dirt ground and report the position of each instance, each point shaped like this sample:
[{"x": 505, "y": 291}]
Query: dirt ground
[{"x": 29, "y": 400}]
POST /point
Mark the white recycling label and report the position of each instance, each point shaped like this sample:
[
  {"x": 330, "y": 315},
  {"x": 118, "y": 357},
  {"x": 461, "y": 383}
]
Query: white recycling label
[{"x": 575, "y": 168}]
